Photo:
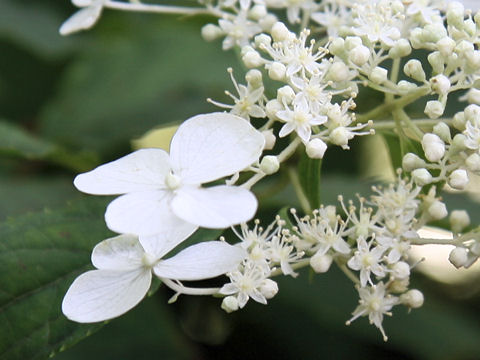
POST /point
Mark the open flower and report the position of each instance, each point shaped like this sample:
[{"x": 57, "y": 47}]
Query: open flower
[
  {"x": 163, "y": 191},
  {"x": 125, "y": 264}
]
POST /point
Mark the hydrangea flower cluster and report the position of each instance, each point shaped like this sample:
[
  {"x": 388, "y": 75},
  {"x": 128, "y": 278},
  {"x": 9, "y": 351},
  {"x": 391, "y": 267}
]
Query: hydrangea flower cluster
[{"x": 307, "y": 63}]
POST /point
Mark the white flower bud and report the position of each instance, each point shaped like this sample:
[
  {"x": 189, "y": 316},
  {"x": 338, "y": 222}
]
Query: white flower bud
[
  {"x": 252, "y": 59},
  {"x": 459, "y": 121},
  {"x": 245, "y": 49},
  {"x": 458, "y": 257},
  {"x": 270, "y": 138},
  {"x": 455, "y": 14},
  {"x": 473, "y": 96},
  {"x": 257, "y": 12},
  {"x": 412, "y": 298},
  {"x": 464, "y": 47},
  {"x": 316, "y": 148},
  {"x": 378, "y": 75},
  {"x": 352, "y": 42},
  {"x": 406, "y": 86},
  {"x": 446, "y": 46},
  {"x": 440, "y": 84},
  {"x": 230, "y": 304},
  {"x": 437, "y": 210},
  {"x": 473, "y": 162},
  {"x": 401, "y": 48},
  {"x": 269, "y": 164},
  {"x": 401, "y": 270},
  {"x": 359, "y": 55},
  {"x": 280, "y": 32},
  {"x": 459, "y": 220},
  {"x": 269, "y": 288},
  {"x": 337, "y": 46},
  {"x": 437, "y": 61},
  {"x": 434, "y": 109},
  {"x": 285, "y": 93},
  {"x": 267, "y": 22},
  {"x": 472, "y": 113},
  {"x": 277, "y": 71},
  {"x": 262, "y": 40},
  {"x": 340, "y": 136},
  {"x": 211, "y": 32},
  {"x": 338, "y": 72},
  {"x": 443, "y": 131},
  {"x": 413, "y": 68},
  {"x": 421, "y": 176},
  {"x": 321, "y": 263},
  {"x": 431, "y": 33},
  {"x": 433, "y": 146},
  {"x": 473, "y": 60},
  {"x": 399, "y": 286},
  {"x": 458, "y": 179},
  {"x": 411, "y": 162},
  {"x": 469, "y": 27},
  {"x": 254, "y": 78},
  {"x": 272, "y": 107}
]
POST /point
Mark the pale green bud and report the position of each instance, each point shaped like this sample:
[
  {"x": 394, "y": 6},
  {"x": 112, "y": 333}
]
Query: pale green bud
[
  {"x": 211, "y": 32},
  {"x": 443, "y": 131},
  {"x": 230, "y": 304},
  {"x": 338, "y": 72},
  {"x": 254, "y": 78},
  {"x": 359, "y": 55},
  {"x": 252, "y": 59},
  {"x": 413, "y": 68},
  {"x": 459, "y": 220},
  {"x": 400, "y": 49},
  {"x": 446, "y": 46},
  {"x": 316, "y": 148},
  {"x": 269, "y": 164},
  {"x": 421, "y": 176},
  {"x": 411, "y": 162},
  {"x": 412, "y": 298},
  {"x": 473, "y": 162},
  {"x": 321, "y": 263},
  {"x": 437, "y": 61},
  {"x": 459, "y": 121},
  {"x": 437, "y": 210},
  {"x": 378, "y": 75},
  {"x": 458, "y": 179},
  {"x": 280, "y": 32},
  {"x": 269, "y": 288},
  {"x": 434, "y": 109},
  {"x": 458, "y": 257},
  {"x": 277, "y": 71},
  {"x": 440, "y": 84}
]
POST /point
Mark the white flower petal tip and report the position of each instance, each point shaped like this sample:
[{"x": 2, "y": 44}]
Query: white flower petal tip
[
  {"x": 100, "y": 295},
  {"x": 216, "y": 207},
  {"x": 201, "y": 261},
  {"x": 83, "y": 19},
  {"x": 211, "y": 146}
]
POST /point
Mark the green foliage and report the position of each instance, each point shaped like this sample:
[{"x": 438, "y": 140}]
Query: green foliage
[{"x": 309, "y": 174}]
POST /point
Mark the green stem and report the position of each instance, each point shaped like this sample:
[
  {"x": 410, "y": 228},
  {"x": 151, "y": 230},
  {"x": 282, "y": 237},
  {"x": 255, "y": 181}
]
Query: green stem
[{"x": 295, "y": 180}]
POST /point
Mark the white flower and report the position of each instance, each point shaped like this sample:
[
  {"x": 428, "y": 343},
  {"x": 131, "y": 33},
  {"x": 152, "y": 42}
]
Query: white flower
[
  {"x": 162, "y": 191},
  {"x": 367, "y": 261},
  {"x": 83, "y": 19},
  {"x": 239, "y": 31},
  {"x": 125, "y": 264}
]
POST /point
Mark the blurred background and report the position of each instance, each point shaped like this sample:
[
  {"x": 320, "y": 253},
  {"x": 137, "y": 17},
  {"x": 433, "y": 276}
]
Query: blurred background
[{"x": 69, "y": 104}]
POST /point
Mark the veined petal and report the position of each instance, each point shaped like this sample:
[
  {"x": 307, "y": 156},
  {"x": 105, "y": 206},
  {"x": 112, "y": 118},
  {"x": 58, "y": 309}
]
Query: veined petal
[
  {"x": 201, "y": 261},
  {"x": 100, "y": 295},
  {"x": 216, "y": 207},
  {"x": 122, "y": 252},
  {"x": 142, "y": 213},
  {"x": 142, "y": 170},
  {"x": 160, "y": 244},
  {"x": 210, "y": 146}
]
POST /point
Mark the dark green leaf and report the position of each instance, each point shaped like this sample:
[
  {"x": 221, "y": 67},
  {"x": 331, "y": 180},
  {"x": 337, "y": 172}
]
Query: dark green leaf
[{"x": 309, "y": 172}]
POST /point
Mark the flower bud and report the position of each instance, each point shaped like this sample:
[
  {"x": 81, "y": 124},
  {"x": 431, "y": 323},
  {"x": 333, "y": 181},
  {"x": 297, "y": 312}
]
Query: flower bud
[
  {"x": 270, "y": 139},
  {"x": 458, "y": 179},
  {"x": 401, "y": 270},
  {"x": 459, "y": 121},
  {"x": 413, "y": 68},
  {"x": 230, "y": 304},
  {"x": 433, "y": 147},
  {"x": 443, "y": 131},
  {"x": 458, "y": 257},
  {"x": 280, "y": 32},
  {"x": 472, "y": 113},
  {"x": 440, "y": 84},
  {"x": 321, "y": 263},
  {"x": 269, "y": 164},
  {"x": 421, "y": 176},
  {"x": 400, "y": 49},
  {"x": 338, "y": 72},
  {"x": 434, "y": 109},
  {"x": 340, "y": 136},
  {"x": 437, "y": 61},
  {"x": 272, "y": 107},
  {"x": 378, "y": 75},
  {"x": 473, "y": 162},
  {"x": 411, "y": 162},
  {"x": 337, "y": 47},
  {"x": 437, "y": 210},
  {"x": 267, "y": 22},
  {"x": 352, "y": 42},
  {"x": 211, "y": 32},
  {"x": 252, "y": 59},
  {"x": 269, "y": 288},
  {"x": 399, "y": 286},
  {"x": 458, "y": 143},
  {"x": 277, "y": 71},
  {"x": 455, "y": 14},
  {"x": 412, "y": 298},
  {"x": 254, "y": 78},
  {"x": 285, "y": 93},
  {"x": 446, "y": 46},
  {"x": 473, "y": 96},
  {"x": 359, "y": 55},
  {"x": 316, "y": 148},
  {"x": 406, "y": 86},
  {"x": 459, "y": 220},
  {"x": 262, "y": 40},
  {"x": 257, "y": 12}
]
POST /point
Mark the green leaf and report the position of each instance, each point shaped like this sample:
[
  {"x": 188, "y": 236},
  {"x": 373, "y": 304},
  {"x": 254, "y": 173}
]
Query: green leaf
[
  {"x": 398, "y": 148},
  {"x": 40, "y": 255},
  {"x": 14, "y": 141},
  {"x": 309, "y": 173}
]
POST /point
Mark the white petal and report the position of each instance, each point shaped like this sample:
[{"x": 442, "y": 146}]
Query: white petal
[
  {"x": 216, "y": 207},
  {"x": 160, "y": 244},
  {"x": 100, "y": 295},
  {"x": 201, "y": 261},
  {"x": 122, "y": 252},
  {"x": 141, "y": 170},
  {"x": 145, "y": 213},
  {"x": 82, "y": 20},
  {"x": 210, "y": 146},
  {"x": 82, "y": 3}
]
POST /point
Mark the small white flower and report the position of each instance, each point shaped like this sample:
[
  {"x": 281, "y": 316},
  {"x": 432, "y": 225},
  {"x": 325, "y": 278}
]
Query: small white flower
[
  {"x": 162, "y": 191},
  {"x": 124, "y": 272},
  {"x": 367, "y": 261}
]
